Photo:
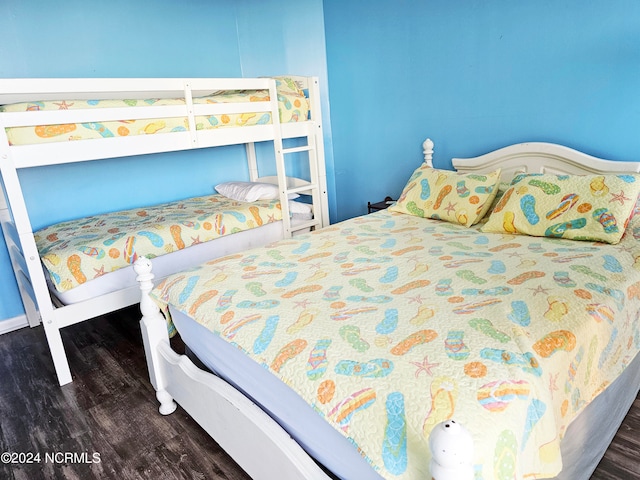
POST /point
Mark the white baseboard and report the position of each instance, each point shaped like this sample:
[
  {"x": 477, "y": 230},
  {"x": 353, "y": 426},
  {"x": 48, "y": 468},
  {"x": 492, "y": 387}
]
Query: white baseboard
[{"x": 11, "y": 324}]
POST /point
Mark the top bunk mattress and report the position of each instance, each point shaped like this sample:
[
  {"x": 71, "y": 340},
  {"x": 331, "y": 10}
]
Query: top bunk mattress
[{"x": 292, "y": 103}]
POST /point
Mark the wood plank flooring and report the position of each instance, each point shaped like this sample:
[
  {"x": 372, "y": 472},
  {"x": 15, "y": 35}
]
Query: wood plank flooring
[{"x": 105, "y": 425}]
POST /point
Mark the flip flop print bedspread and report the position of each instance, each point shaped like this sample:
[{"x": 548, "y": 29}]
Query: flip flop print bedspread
[
  {"x": 293, "y": 107},
  {"x": 77, "y": 251},
  {"x": 388, "y": 324}
]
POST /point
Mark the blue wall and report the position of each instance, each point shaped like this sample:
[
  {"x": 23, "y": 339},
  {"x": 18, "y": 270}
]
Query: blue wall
[
  {"x": 474, "y": 76},
  {"x": 145, "y": 38}
]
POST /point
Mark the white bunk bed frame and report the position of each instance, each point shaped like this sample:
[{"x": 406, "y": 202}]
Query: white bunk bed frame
[
  {"x": 16, "y": 225},
  {"x": 265, "y": 450}
]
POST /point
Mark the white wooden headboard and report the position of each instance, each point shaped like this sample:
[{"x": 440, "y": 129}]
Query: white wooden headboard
[{"x": 540, "y": 157}]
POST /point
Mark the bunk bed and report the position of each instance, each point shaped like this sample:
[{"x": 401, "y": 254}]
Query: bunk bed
[
  {"x": 345, "y": 353},
  {"x": 46, "y": 122}
]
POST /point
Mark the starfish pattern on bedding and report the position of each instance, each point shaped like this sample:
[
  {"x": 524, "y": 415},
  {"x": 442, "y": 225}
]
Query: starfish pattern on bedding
[
  {"x": 619, "y": 197},
  {"x": 626, "y": 248},
  {"x": 415, "y": 258},
  {"x": 63, "y": 105},
  {"x": 302, "y": 303},
  {"x": 425, "y": 366},
  {"x": 220, "y": 268},
  {"x": 451, "y": 207},
  {"x": 539, "y": 289},
  {"x": 417, "y": 299}
]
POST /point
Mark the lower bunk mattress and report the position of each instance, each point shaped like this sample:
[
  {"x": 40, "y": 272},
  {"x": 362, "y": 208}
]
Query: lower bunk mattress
[
  {"x": 390, "y": 323},
  {"x": 92, "y": 256}
]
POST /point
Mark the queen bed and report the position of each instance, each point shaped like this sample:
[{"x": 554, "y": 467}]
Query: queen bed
[
  {"x": 78, "y": 269},
  {"x": 505, "y": 295}
]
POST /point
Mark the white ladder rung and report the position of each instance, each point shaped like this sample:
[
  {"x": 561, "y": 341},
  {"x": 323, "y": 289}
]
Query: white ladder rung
[
  {"x": 303, "y": 188},
  {"x": 304, "y": 148},
  {"x": 304, "y": 225}
]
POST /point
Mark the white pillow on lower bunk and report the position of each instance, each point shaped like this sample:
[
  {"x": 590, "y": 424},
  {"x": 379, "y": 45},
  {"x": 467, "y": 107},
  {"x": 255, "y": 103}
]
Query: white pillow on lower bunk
[{"x": 250, "y": 191}]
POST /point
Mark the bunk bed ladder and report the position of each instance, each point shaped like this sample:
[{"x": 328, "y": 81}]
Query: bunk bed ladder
[
  {"x": 312, "y": 149},
  {"x": 311, "y": 188},
  {"x": 316, "y": 187}
]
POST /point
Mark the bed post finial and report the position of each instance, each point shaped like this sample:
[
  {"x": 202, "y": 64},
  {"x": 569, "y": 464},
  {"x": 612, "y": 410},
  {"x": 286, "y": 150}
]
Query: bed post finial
[
  {"x": 451, "y": 448},
  {"x": 154, "y": 332},
  {"x": 427, "y": 150},
  {"x": 142, "y": 267}
]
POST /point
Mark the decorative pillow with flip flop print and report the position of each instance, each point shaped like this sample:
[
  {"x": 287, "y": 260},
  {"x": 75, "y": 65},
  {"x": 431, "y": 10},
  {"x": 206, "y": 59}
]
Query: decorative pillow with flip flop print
[
  {"x": 578, "y": 207},
  {"x": 447, "y": 195}
]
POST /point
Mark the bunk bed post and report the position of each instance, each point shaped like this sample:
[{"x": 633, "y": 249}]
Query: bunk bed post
[
  {"x": 154, "y": 331},
  {"x": 60, "y": 362},
  {"x": 26, "y": 261},
  {"x": 279, "y": 154},
  {"x": 50, "y": 321},
  {"x": 316, "y": 112},
  {"x": 252, "y": 161}
]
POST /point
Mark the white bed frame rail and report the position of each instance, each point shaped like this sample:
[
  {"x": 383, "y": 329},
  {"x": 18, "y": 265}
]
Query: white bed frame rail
[{"x": 16, "y": 224}]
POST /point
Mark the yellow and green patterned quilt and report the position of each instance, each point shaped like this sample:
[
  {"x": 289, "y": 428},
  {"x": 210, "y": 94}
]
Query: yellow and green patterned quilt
[
  {"x": 77, "y": 251},
  {"x": 388, "y": 324},
  {"x": 293, "y": 107}
]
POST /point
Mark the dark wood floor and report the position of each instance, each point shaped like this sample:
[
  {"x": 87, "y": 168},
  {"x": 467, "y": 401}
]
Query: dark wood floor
[{"x": 105, "y": 424}]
